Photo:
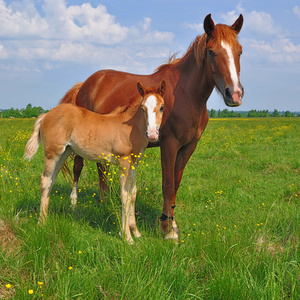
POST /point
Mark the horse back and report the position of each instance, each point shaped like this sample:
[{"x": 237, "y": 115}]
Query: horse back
[{"x": 106, "y": 90}]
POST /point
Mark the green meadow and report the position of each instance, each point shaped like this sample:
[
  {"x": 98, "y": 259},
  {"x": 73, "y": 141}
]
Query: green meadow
[{"x": 238, "y": 212}]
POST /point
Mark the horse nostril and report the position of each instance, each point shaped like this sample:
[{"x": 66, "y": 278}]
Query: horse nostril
[{"x": 228, "y": 93}]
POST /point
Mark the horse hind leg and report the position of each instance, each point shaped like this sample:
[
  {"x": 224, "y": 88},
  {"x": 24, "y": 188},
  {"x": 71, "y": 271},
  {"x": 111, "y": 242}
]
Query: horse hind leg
[
  {"x": 102, "y": 170},
  {"x": 52, "y": 167},
  {"x": 77, "y": 168}
]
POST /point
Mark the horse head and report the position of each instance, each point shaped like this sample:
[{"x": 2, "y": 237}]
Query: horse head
[
  {"x": 152, "y": 105},
  {"x": 223, "y": 53}
]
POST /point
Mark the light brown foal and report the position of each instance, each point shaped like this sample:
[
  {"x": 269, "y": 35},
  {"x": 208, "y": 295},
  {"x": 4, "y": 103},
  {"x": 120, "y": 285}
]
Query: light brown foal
[{"x": 120, "y": 137}]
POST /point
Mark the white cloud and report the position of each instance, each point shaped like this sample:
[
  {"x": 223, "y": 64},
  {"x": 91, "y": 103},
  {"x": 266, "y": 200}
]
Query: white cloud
[
  {"x": 198, "y": 27},
  {"x": 56, "y": 32},
  {"x": 276, "y": 52},
  {"x": 296, "y": 11},
  {"x": 61, "y": 22},
  {"x": 3, "y": 52},
  {"x": 258, "y": 22}
]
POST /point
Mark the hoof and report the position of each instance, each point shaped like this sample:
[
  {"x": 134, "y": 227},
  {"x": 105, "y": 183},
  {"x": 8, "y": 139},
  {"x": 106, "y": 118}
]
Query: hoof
[
  {"x": 136, "y": 233},
  {"x": 129, "y": 240},
  {"x": 172, "y": 235}
]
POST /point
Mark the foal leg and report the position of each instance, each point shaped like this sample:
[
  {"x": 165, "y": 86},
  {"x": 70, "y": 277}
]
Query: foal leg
[
  {"x": 132, "y": 220},
  {"x": 126, "y": 197},
  {"x": 77, "y": 168},
  {"x": 52, "y": 167}
]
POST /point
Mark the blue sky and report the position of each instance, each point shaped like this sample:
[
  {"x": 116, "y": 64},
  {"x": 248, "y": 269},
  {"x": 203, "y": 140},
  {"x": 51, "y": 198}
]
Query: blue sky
[{"x": 46, "y": 46}]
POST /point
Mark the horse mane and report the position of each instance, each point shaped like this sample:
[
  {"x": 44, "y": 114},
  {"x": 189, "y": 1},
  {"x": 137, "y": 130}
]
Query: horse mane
[
  {"x": 173, "y": 58},
  {"x": 221, "y": 32},
  {"x": 70, "y": 96}
]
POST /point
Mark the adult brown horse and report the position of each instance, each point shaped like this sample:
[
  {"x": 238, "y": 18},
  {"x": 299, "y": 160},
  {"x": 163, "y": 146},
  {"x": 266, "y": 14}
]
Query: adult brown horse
[{"x": 212, "y": 60}]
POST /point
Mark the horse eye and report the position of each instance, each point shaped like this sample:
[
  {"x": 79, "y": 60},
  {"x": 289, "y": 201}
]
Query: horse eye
[
  {"x": 143, "y": 108},
  {"x": 211, "y": 53},
  {"x": 161, "y": 109},
  {"x": 241, "y": 53}
]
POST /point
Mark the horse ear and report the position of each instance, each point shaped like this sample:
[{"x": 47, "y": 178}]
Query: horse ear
[
  {"x": 208, "y": 25},
  {"x": 140, "y": 89},
  {"x": 162, "y": 87},
  {"x": 237, "y": 26}
]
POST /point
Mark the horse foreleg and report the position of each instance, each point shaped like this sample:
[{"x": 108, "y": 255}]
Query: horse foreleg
[
  {"x": 168, "y": 159},
  {"x": 102, "y": 170},
  {"x": 182, "y": 158},
  {"x": 173, "y": 164},
  {"x": 77, "y": 168}
]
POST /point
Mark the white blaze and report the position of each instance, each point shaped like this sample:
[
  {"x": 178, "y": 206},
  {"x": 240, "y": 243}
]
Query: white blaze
[
  {"x": 151, "y": 104},
  {"x": 232, "y": 68}
]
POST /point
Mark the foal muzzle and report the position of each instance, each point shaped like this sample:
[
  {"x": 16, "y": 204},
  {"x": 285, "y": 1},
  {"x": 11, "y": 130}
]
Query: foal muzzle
[{"x": 152, "y": 135}]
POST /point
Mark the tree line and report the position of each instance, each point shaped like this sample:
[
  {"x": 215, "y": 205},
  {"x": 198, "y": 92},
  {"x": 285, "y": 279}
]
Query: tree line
[
  {"x": 225, "y": 113},
  {"x": 28, "y": 112},
  {"x": 33, "y": 112}
]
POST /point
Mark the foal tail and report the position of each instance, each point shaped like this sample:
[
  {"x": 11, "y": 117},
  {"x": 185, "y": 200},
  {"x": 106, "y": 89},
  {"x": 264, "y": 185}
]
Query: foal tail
[
  {"x": 35, "y": 139},
  {"x": 70, "y": 96}
]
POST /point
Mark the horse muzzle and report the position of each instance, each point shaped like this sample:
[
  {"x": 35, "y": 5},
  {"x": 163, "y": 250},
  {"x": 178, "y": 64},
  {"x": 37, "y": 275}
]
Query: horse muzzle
[
  {"x": 233, "y": 97},
  {"x": 152, "y": 135}
]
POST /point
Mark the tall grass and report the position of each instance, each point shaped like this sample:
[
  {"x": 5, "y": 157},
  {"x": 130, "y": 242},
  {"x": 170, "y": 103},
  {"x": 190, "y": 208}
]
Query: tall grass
[{"x": 237, "y": 210}]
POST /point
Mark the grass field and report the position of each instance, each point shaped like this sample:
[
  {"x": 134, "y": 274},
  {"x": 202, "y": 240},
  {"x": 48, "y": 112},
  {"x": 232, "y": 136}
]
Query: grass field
[{"x": 238, "y": 211}]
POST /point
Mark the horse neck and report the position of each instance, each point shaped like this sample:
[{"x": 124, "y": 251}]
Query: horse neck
[{"x": 194, "y": 75}]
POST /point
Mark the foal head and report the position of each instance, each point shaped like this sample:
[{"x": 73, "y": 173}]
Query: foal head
[
  {"x": 223, "y": 53},
  {"x": 152, "y": 105}
]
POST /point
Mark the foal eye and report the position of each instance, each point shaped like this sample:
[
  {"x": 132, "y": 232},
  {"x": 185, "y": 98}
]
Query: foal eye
[{"x": 161, "y": 109}]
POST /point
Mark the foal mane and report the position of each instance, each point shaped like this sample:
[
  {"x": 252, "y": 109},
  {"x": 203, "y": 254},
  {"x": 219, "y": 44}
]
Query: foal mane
[{"x": 221, "y": 32}]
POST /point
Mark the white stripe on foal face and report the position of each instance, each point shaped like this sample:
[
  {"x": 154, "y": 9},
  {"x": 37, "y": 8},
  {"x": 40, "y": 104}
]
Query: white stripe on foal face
[
  {"x": 232, "y": 68},
  {"x": 152, "y": 128},
  {"x": 151, "y": 104}
]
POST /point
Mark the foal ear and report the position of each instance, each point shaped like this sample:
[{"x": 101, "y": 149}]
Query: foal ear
[
  {"x": 237, "y": 26},
  {"x": 141, "y": 89},
  {"x": 208, "y": 25},
  {"x": 162, "y": 87}
]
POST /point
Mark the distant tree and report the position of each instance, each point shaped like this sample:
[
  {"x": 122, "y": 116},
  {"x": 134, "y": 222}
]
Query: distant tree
[
  {"x": 288, "y": 114},
  {"x": 231, "y": 114},
  {"x": 275, "y": 113},
  {"x": 213, "y": 113},
  {"x": 253, "y": 113},
  {"x": 28, "y": 112},
  {"x": 12, "y": 113},
  {"x": 224, "y": 113},
  {"x": 263, "y": 113}
]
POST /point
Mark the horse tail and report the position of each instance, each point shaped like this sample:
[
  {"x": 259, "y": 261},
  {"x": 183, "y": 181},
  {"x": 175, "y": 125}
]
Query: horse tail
[
  {"x": 70, "y": 96},
  {"x": 35, "y": 139}
]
